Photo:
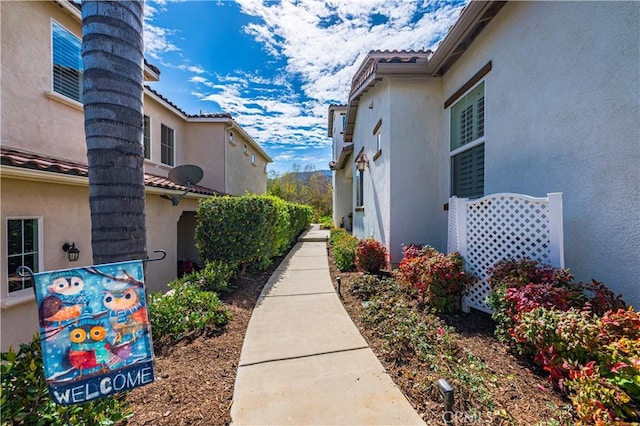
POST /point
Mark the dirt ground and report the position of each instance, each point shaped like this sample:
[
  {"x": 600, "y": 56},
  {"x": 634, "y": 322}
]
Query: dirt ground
[{"x": 195, "y": 379}]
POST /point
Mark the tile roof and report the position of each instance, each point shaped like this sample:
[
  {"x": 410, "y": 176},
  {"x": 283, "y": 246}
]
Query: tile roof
[
  {"x": 30, "y": 160},
  {"x": 375, "y": 57},
  {"x": 208, "y": 115}
]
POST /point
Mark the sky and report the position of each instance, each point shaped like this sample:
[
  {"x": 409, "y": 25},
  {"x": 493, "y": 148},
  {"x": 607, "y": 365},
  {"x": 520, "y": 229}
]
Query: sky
[{"x": 277, "y": 65}]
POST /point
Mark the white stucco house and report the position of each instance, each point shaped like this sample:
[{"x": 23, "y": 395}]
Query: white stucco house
[{"x": 519, "y": 97}]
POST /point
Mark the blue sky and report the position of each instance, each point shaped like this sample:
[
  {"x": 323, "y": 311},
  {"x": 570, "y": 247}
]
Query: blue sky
[{"x": 277, "y": 65}]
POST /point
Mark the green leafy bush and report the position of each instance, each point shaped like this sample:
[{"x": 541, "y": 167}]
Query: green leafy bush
[
  {"x": 185, "y": 311},
  {"x": 236, "y": 229},
  {"x": 344, "y": 248},
  {"x": 371, "y": 256},
  {"x": 25, "y": 398},
  {"x": 248, "y": 230},
  {"x": 438, "y": 279},
  {"x": 215, "y": 276},
  {"x": 326, "y": 222},
  {"x": 366, "y": 286}
]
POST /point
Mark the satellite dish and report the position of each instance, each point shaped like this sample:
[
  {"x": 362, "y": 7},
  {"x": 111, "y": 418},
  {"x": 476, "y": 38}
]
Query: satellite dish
[{"x": 185, "y": 175}]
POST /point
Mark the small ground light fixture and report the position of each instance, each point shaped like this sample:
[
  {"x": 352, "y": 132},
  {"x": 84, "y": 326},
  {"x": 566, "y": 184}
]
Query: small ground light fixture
[
  {"x": 446, "y": 390},
  {"x": 339, "y": 281}
]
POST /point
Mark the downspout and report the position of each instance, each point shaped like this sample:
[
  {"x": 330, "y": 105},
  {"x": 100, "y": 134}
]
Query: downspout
[{"x": 224, "y": 166}]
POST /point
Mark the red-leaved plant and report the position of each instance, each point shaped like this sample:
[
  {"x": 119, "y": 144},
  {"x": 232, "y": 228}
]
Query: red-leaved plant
[
  {"x": 438, "y": 279},
  {"x": 371, "y": 256}
]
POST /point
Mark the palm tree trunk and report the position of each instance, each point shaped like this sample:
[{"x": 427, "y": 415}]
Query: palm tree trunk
[{"x": 112, "y": 54}]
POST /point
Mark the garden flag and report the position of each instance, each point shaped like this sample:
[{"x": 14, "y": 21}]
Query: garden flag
[{"x": 94, "y": 329}]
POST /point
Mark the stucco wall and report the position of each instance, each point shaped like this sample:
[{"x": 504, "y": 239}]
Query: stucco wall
[
  {"x": 162, "y": 233},
  {"x": 241, "y": 175},
  {"x": 51, "y": 127},
  {"x": 204, "y": 145},
  {"x": 160, "y": 115},
  {"x": 65, "y": 218},
  {"x": 417, "y": 194},
  {"x": 374, "y": 220},
  {"x": 562, "y": 115},
  {"x": 342, "y": 197}
]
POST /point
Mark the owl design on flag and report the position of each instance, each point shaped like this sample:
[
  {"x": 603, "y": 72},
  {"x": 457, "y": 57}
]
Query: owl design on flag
[
  {"x": 89, "y": 350},
  {"x": 65, "y": 300},
  {"x": 126, "y": 314}
]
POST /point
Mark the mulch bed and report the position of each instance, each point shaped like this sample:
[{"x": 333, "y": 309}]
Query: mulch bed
[{"x": 195, "y": 379}]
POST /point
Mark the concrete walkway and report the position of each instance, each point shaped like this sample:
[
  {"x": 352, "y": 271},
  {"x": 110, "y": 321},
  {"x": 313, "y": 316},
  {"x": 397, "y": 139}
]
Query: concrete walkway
[{"x": 303, "y": 361}]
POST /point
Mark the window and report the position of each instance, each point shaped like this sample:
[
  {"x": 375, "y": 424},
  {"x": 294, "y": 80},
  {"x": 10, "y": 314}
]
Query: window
[
  {"x": 253, "y": 159},
  {"x": 167, "y": 146},
  {"x": 67, "y": 62},
  {"x": 146, "y": 138},
  {"x": 377, "y": 134},
  {"x": 23, "y": 248},
  {"x": 360, "y": 189},
  {"x": 467, "y": 144},
  {"x": 231, "y": 138},
  {"x": 344, "y": 121},
  {"x": 245, "y": 149}
]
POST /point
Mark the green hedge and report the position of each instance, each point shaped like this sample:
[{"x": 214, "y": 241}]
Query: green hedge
[
  {"x": 248, "y": 230},
  {"x": 236, "y": 229}
]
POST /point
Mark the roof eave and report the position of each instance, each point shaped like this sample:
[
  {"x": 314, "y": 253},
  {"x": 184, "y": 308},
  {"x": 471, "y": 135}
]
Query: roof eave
[{"x": 461, "y": 34}]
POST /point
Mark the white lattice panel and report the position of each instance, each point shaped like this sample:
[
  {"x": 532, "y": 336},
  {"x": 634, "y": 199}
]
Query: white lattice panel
[
  {"x": 504, "y": 226},
  {"x": 452, "y": 243}
]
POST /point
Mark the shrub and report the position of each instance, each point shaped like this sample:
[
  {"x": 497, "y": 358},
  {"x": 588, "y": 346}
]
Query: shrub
[
  {"x": 326, "y": 222},
  {"x": 283, "y": 230},
  {"x": 25, "y": 398},
  {"x": 185, "y": 311},
  {"x": 558, "y": 341},
  {"x": 344, "y": 249},
  {"x": 236, "y": 229},
  {"x": 438, "y": 279},
  {"x": 366, "y": 286},
  {"x": 598, "y": 401},
  {"x": 371, "y": 256},
  {"x": 215, "y": 276},
  {"x": 579, "y": 333}
]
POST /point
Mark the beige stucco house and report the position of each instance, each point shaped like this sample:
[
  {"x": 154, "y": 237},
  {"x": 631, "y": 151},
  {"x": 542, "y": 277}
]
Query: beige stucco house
[
  {"x": 43, "y": 171},
  {"x": 519, "y": 97}
]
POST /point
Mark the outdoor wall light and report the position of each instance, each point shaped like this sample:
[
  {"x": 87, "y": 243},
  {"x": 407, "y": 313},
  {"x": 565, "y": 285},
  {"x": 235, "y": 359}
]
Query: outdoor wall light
[
  {"x": 446, "y": 390},
  {"x": 72, "y": 251},
  {"x": 362, "y": 161}
]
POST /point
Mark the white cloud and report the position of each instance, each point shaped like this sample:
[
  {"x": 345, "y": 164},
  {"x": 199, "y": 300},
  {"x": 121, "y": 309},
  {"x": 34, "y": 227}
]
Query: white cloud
[{"x": 322, "y": 44}]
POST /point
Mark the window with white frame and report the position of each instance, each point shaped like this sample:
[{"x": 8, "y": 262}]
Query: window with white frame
[
  {"x": 167, "y": 145},
  {"x": 377, "y": 134},
  {"x": 467, "y": 144},
  {"x": 67, "y": 62},
  {"x": 23, "y": 249},
  {"x": 245, "y": 149},
  {"x": 146, "y": 138},
  {"x": 253, "y": 159},
  {"x": 360, "y": 189},
  {"x": 231, "y": 138}
]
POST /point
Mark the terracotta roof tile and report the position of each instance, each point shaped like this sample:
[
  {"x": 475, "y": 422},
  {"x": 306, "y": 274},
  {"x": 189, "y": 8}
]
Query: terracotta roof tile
[
  {"x": 208, "y": 115},
  {"x": 29, "y": 160},
  {"x": 374, "y": 57}
]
